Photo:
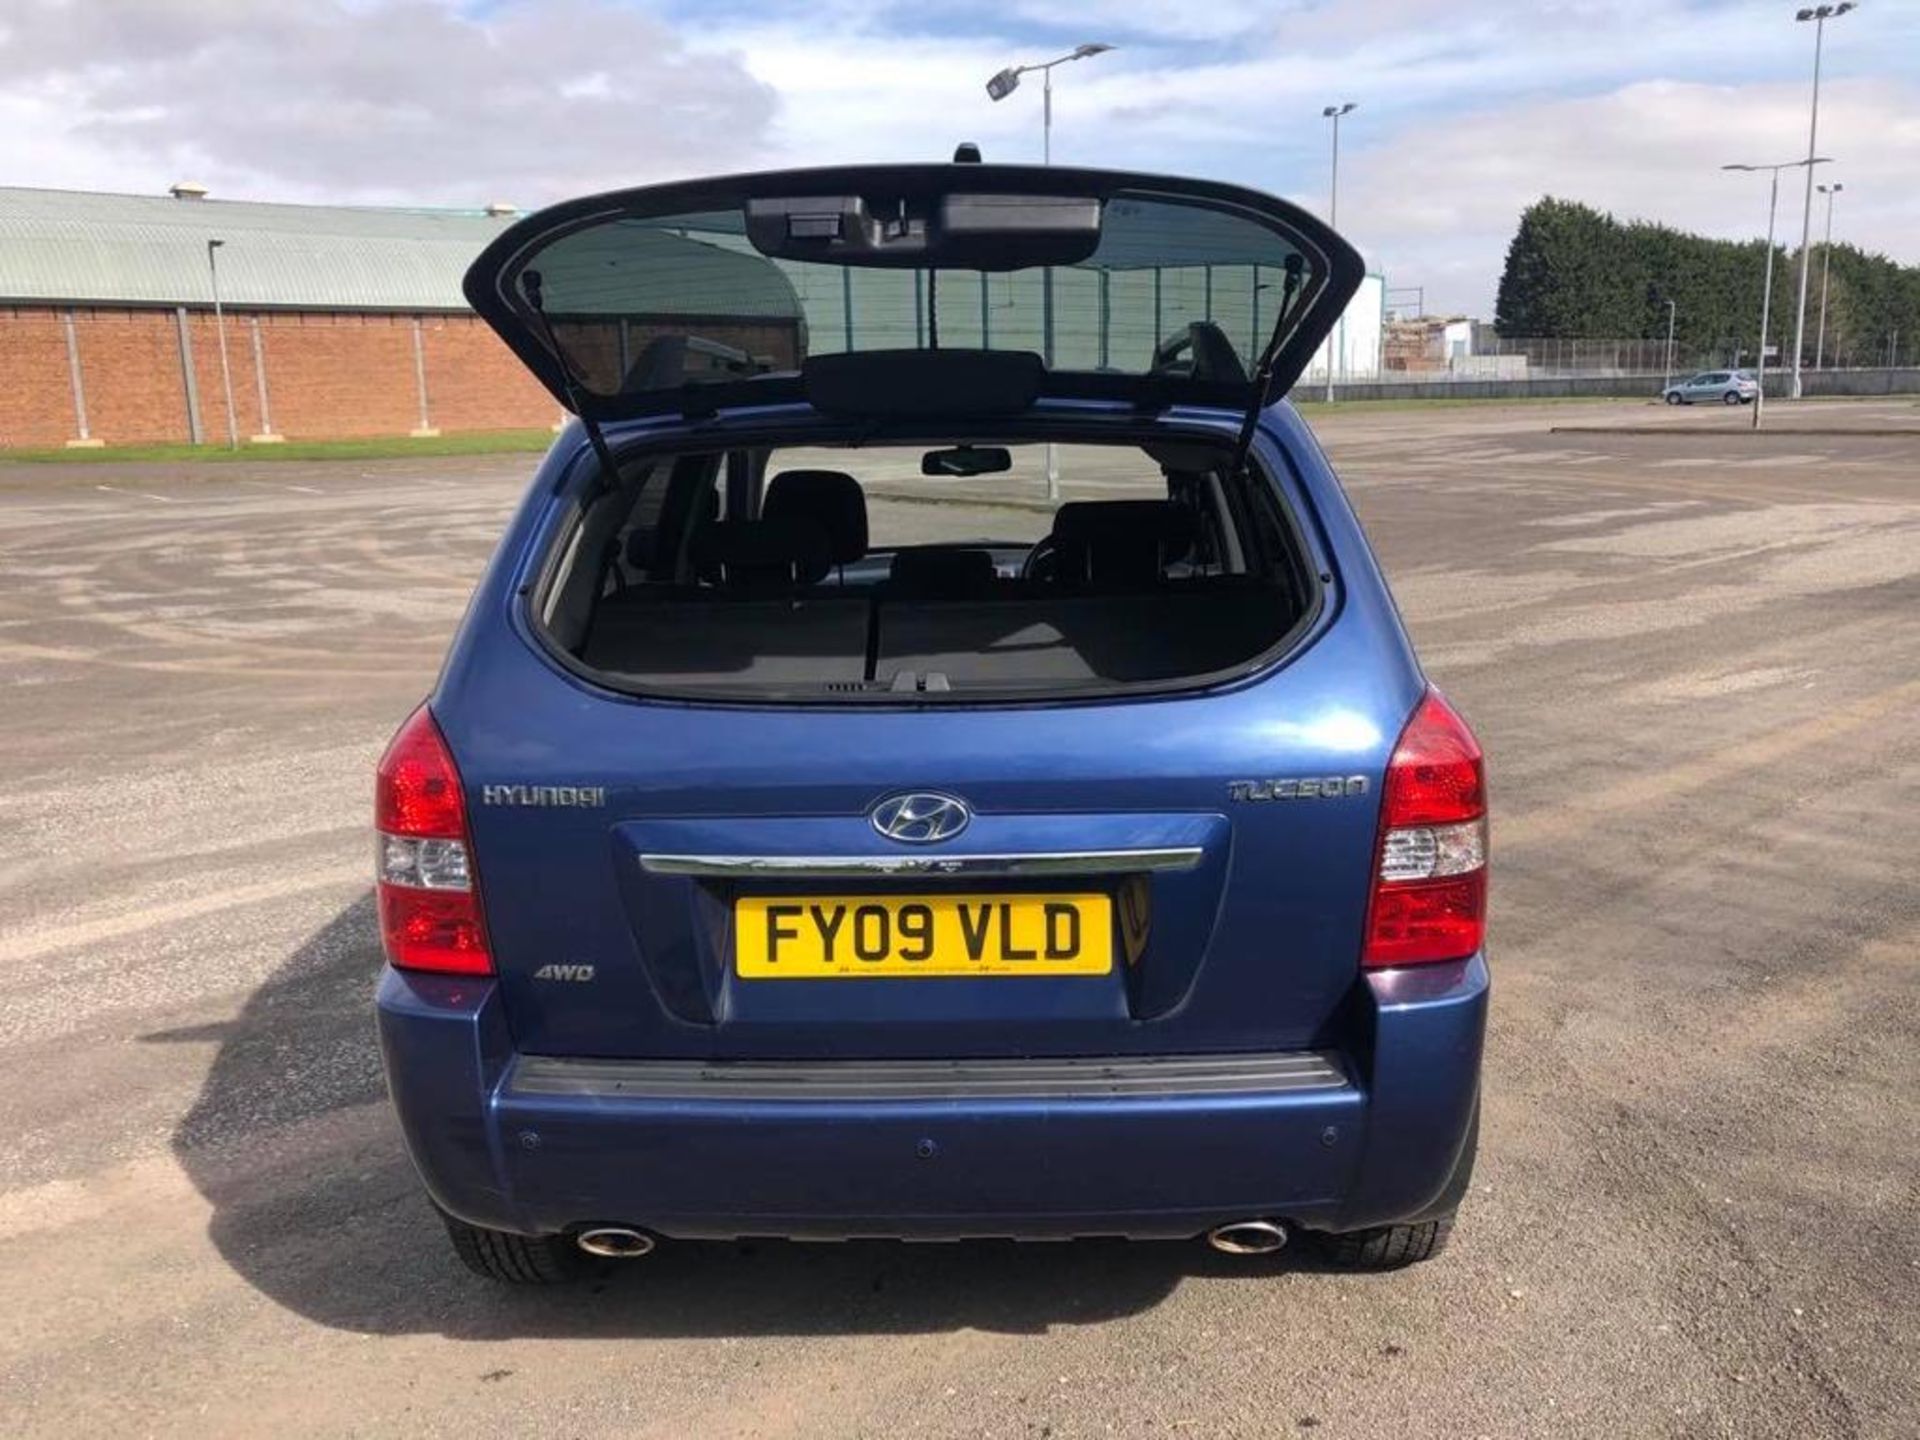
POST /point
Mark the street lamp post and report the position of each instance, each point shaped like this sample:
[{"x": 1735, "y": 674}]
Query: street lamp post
[
  {"x": 1819, "y": 15},
  {"x": 1333, "y": 113},
  {"x": 1826, "y": 267},
  {"x": 1766, "y": 292},
  {"x": 1667, "y": 379},
  {"x": 1008, "y": 81},
  {"x": 998, "y": 88},
  {"x": 220, "y": 333}
]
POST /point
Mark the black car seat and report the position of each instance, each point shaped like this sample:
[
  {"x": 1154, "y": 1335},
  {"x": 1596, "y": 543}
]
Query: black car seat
[
  {"x": 829, "y": 499},
  {"x": 1119, "y": 544},
  {"x": 941, "y": 573},
  {"x": 762, "y": 556}
]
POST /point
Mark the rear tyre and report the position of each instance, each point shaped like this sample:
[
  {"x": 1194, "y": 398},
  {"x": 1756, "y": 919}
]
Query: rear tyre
[
  {"x": 1388, "y": 1247},
  {"x": 515, "y": 1259},
  {"x": 1733, "y": 397}
]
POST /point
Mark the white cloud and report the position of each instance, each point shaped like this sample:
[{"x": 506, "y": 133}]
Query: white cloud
[
  {"x": 1468, "y": 113},
  {"x": 1437, "y": 205},
  {"x": 1162, "y": 19},
  {"x": 367, "y": 99},
  {"x": 884, "y": 98}
]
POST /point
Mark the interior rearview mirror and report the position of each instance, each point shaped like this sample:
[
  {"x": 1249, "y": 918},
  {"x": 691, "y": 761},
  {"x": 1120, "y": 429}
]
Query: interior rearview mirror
[{"x": 964, "y": 460}]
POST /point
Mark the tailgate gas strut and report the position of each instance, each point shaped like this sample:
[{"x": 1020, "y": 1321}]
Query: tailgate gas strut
[
  {"x": 609, "y": 471},
  {"x": 1263, "y": 372}
]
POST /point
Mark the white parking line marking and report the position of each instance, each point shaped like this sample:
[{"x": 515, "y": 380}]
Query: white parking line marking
[
  {"x": 276, "y": 485},
  {"x": 143, "y": 494},
  {"x": 29, "y": 945}
]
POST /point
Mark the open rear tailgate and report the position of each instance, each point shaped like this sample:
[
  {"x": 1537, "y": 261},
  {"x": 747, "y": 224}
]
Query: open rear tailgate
[{"x": 687, "y": 297}]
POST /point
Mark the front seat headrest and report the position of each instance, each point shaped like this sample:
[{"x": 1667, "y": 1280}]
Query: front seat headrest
[
  {"x": 830, "y": 499},
  {"x": 1121, "y": 541}
]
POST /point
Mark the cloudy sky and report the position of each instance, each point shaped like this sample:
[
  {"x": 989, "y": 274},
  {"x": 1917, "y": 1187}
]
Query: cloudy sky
[{"x": 1467, "y": 111}]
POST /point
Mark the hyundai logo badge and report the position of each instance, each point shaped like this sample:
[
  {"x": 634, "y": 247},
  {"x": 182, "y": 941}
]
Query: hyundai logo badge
[{"x": 920, "y": 818}]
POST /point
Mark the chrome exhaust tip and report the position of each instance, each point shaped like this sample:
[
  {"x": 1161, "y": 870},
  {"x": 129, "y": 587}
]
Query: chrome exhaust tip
[
  {"x": 1248, "y": 1237},
  {"x": 615, "y": 1242}
]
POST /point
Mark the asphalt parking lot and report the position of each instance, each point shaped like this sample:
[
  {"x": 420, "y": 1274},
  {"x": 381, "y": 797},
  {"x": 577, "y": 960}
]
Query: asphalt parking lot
[{"x": 1694, "y": 661}]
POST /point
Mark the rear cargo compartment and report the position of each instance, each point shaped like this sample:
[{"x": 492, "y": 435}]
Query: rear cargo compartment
[{"x": 836, "y": 573}]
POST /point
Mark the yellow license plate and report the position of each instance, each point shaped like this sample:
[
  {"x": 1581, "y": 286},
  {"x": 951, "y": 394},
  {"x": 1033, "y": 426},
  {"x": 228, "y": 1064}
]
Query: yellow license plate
[{"x": 834, "y": 936}]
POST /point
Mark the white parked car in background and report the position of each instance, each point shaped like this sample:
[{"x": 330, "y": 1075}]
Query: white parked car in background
[{"x": 1727, "y": 387}]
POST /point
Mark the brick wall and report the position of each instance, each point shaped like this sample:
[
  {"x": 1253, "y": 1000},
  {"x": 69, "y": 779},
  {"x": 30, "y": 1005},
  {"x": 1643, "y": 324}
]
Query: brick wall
[
  {"x": 473, "y": 380},
  {"x": 36, "y": 407},
  {"x": 328, "y": 375}
]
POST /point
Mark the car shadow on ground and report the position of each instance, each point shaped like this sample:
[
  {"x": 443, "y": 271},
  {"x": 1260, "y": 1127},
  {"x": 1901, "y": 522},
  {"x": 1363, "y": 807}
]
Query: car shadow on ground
[{"x": 316, "y": 1206}]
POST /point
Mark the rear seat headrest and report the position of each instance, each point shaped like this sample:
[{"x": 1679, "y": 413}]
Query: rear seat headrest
[
  {"x": 762, "y": 553},
  {"x": 1122, "y": 540},
  {"x": 941, "y": 574},
  {"x": 1092, "y": 521},
  {"x": 830, "y": 499}
]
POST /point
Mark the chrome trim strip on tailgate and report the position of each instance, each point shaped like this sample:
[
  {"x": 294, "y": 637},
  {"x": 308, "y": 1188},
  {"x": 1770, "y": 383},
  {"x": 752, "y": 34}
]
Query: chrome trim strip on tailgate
[
  {"x": 1100, "y": 1077},
  {"x": 855, "y": 867}
]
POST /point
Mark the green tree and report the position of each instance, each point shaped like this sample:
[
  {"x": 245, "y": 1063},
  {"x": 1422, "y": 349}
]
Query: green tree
[{"x": 1574, "y": 272}]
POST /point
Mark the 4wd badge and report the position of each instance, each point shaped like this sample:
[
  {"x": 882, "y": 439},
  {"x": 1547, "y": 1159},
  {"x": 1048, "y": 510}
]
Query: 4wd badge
[{"x": 577, "y": 974}]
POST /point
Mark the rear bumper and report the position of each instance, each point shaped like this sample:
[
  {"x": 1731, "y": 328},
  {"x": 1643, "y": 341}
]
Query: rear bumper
[{"x": 1163, "y": 1148}]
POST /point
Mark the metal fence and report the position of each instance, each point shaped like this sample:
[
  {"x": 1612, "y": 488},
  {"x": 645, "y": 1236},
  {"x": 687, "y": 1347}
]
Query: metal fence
[
  {"x": 1416, "y": 385},
  {"x": 1496, "y": 357},
  {"x": 1554, "y": 356}
]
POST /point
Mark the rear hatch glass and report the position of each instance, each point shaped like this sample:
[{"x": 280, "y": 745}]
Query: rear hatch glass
[
  {"x": 874, "y": 572},
  {"x": 1121, "y": 285}
]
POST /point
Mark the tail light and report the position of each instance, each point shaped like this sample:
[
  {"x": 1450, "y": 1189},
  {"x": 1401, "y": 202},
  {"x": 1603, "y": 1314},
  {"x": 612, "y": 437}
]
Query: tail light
[
  {"x": 429, "y": 905},
  {"x": 1430, "y": 878}
]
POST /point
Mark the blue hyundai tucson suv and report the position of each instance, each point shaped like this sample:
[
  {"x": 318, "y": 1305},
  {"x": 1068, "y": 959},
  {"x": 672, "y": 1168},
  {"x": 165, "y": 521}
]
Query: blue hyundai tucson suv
[{"x": 933, "y": 755}]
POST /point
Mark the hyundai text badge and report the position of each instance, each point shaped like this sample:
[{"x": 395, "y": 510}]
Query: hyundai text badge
[{"x": 920, "y": 818}]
